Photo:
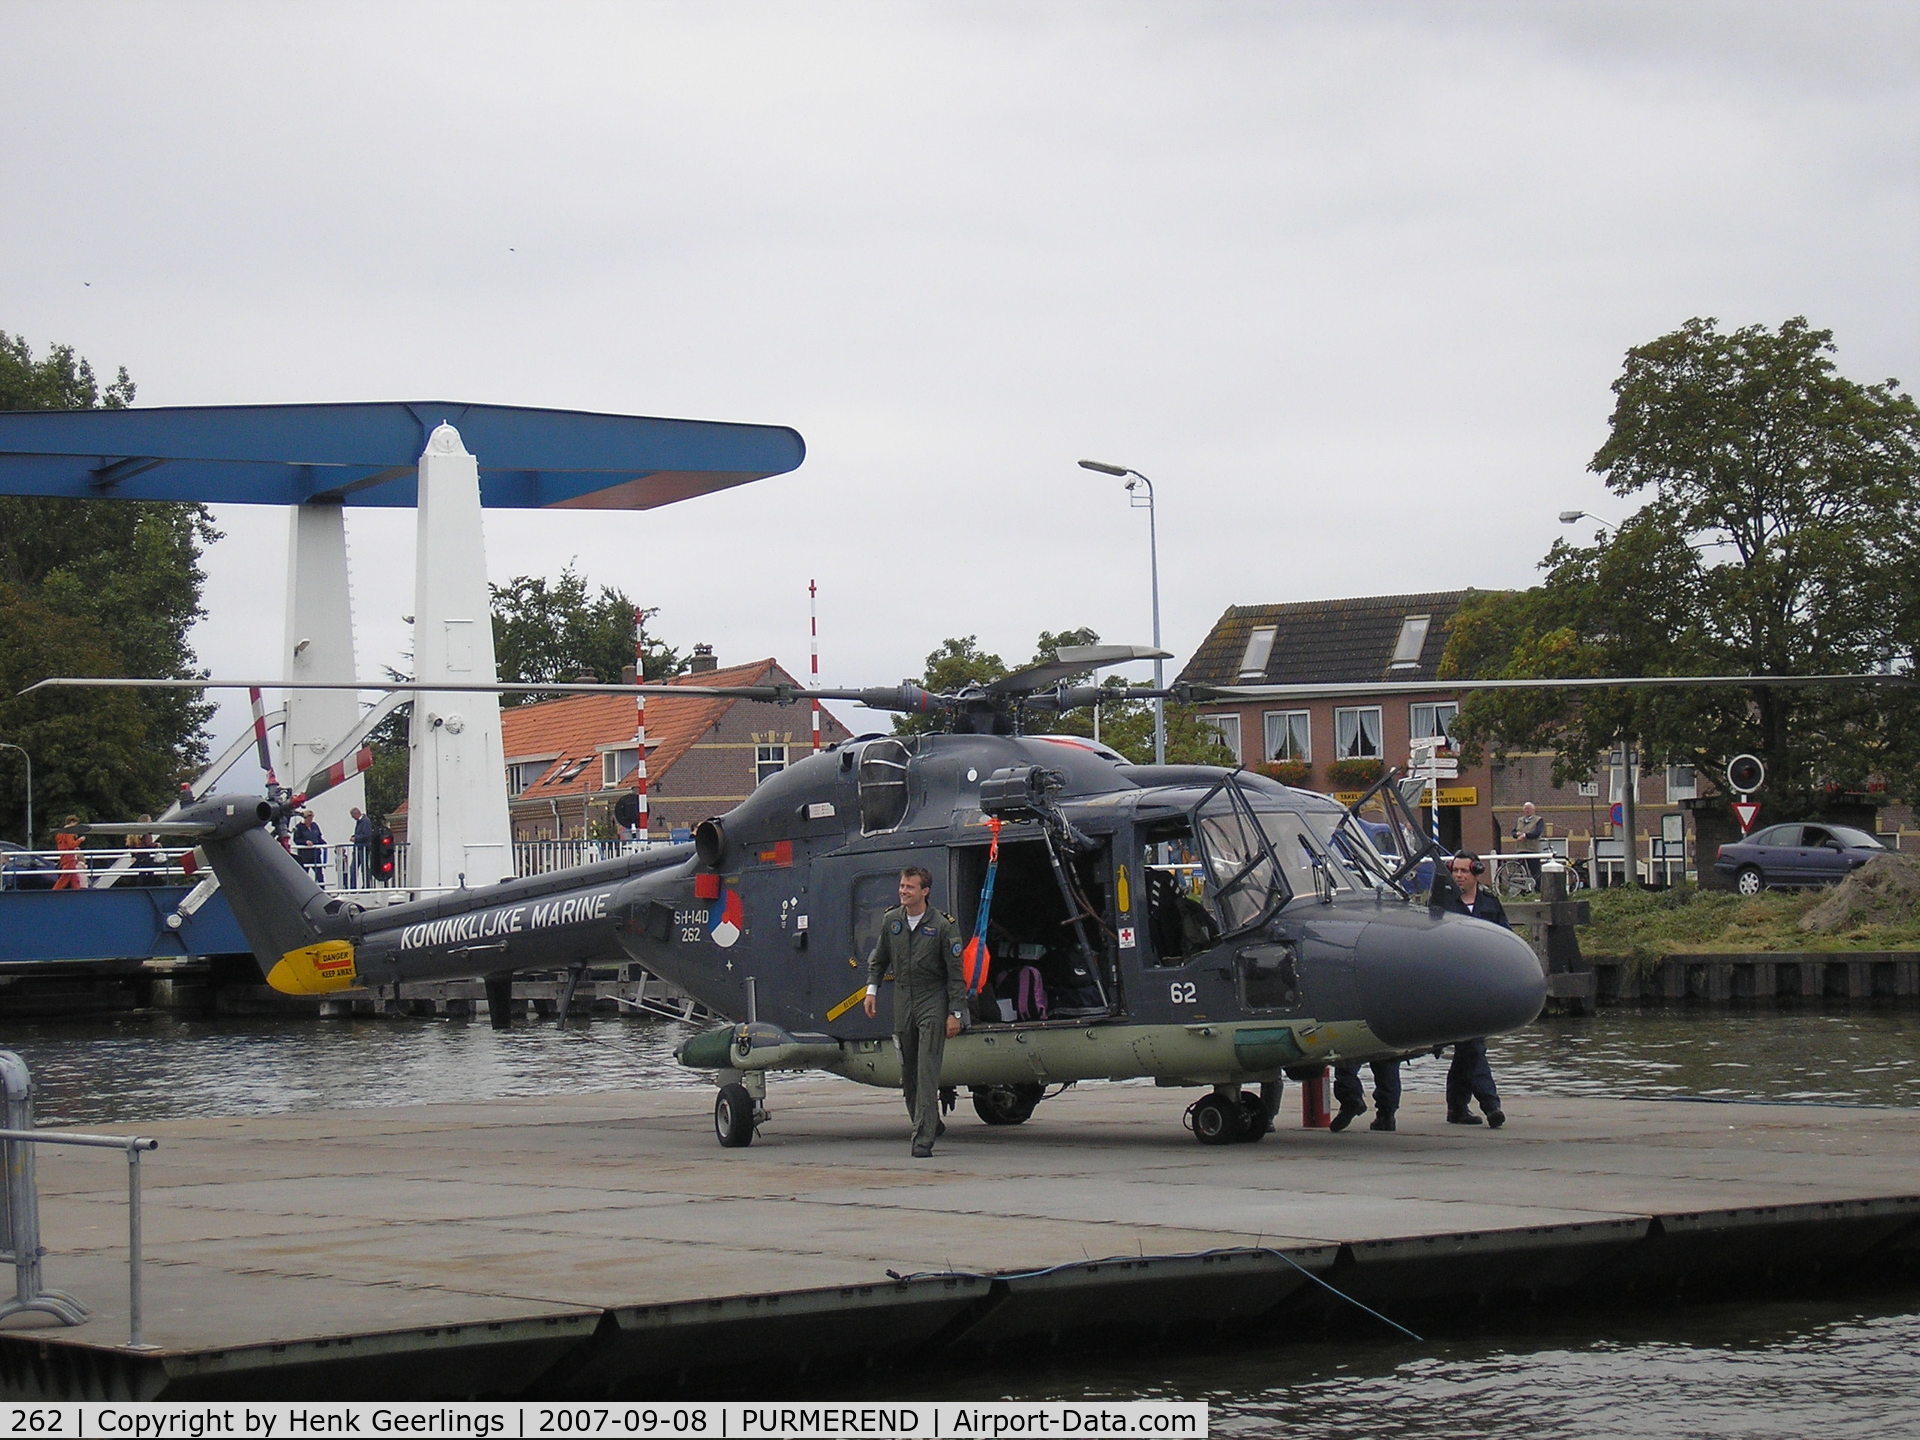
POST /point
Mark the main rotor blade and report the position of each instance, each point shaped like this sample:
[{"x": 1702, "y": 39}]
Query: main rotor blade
[
  {"x": 1428, "y": 687},
  {"x": 781, "y": 694},
  {"x": 1071, "y": 660}
]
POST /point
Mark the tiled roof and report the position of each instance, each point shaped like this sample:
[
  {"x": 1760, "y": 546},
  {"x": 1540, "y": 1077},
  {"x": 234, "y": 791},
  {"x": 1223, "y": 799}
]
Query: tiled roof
[
  {"x": 575, "y": 728},
  {"x": 1325, "y": 641}
]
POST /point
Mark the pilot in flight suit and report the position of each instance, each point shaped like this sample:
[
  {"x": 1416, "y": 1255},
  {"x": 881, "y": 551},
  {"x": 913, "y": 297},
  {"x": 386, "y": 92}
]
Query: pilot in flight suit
[{"x": 920, "y": 948}]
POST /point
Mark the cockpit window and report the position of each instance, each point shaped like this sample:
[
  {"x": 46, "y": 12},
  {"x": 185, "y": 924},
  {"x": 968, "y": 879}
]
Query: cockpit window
[
  {"x": 1310, "y": 835},
  {"x": 1244, "y": 884},
  {"x": 883, "y": 785}
]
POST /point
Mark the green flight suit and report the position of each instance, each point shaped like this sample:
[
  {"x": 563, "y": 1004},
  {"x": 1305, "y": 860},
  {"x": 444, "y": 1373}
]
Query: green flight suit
[{"x": 925, "y": 965}]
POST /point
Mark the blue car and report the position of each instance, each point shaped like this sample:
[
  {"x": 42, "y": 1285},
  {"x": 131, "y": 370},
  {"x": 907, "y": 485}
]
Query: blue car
[
  {"x": 1795, "y": 854},
  {"x": 1417, "y": 881},
  {"x": 21, "y": 869}
]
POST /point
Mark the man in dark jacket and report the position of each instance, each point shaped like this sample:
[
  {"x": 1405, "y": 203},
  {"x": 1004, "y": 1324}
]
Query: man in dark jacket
[
  {"x": 1469, "y": 1077},
  {"x": 920, "y": 949}
]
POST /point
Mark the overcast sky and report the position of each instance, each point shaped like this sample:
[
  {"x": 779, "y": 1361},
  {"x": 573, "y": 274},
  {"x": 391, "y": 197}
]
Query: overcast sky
[{"x": 1348, "y": 281}]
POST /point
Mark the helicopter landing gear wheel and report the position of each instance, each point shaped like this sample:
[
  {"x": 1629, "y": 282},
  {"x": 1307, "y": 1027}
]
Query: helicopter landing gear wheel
[
  {"x": 1005, "y": 1104},
  {"x": 1255, "y": 1119},
  {"x": 1215, "y": 1119},
  {"x": 733, "y": 1117}
]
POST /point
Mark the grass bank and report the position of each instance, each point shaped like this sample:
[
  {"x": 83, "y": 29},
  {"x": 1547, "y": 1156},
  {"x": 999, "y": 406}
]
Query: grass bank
[{"x": 1878, "y": 908}]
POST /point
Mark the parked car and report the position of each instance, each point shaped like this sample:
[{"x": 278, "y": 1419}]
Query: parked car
[
  {"x": 1417, "y": 881},
  {"x": 1795, "y": 854},
  {"x": 21, "y": 869}
]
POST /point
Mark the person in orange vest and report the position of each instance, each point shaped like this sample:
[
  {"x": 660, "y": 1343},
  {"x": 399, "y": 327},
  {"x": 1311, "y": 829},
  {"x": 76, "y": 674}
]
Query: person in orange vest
[{"x": 67, "y": 840}]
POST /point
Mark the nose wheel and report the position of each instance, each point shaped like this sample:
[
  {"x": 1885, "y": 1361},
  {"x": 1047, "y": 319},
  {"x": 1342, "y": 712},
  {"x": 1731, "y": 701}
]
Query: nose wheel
[{"x": 1232, "y": 1116}]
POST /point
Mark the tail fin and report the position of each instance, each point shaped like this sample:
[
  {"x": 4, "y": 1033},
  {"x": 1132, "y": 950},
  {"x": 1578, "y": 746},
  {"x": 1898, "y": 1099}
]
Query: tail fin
[{"x": 298, "y": 932}]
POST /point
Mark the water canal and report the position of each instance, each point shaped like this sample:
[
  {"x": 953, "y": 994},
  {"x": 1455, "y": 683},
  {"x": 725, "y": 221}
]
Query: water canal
[{"x": 1835, "y": 1366}]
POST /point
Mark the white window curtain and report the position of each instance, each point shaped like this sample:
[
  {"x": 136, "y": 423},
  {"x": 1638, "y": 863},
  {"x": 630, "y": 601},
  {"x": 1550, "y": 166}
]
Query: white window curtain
[{"x": 1356, "y": 732}]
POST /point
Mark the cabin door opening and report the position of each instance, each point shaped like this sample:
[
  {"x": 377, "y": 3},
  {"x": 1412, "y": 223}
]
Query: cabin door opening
[{"x": 1052, "y": 953}]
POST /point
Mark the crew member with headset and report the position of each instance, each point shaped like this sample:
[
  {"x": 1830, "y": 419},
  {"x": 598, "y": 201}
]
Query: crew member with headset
[
  {"x": 1469, "y": 1077},
  {"x": 920, "y": 948}
]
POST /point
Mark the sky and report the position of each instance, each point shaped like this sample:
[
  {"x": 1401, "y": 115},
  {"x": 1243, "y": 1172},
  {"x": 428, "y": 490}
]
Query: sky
[{"x": 1348, "y": 281}]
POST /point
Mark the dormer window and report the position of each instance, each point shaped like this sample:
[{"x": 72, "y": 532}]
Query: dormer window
[
  {"x": 1413, "y": 639},
  {"x": 1253, "y": 664}
]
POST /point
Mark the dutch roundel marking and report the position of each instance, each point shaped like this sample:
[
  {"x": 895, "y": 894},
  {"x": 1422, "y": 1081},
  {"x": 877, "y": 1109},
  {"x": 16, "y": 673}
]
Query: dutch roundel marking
[{"x": 726, "y": 920}]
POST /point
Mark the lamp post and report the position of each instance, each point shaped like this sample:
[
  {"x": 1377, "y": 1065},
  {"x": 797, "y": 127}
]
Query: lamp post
[
  {"x": 4, "y": 745},
  {"x": 1153, "y": 563},
  {"x": 1574, "y": 517}
]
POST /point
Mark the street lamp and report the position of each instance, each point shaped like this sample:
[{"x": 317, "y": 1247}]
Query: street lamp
[
  {"x": 1574, "y": 517},
  {"x": 29, "y": 759},
  {"x": 1153, "y": 561}
]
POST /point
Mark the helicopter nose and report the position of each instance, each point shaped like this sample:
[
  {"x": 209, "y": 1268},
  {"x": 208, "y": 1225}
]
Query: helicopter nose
[{"x": 1428, "y": 979}]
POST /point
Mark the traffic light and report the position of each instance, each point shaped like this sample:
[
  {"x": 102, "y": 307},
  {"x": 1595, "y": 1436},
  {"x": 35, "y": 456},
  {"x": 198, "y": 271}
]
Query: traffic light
[
  {"x": 383, "y": 856},
  {"x": 1745, "y": 774}
]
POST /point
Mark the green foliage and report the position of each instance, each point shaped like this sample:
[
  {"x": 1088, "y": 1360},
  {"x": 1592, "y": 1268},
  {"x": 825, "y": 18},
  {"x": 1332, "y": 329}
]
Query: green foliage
[
  {"x": 541, "y": 631},
  {"x": 1776, "y": 529},
  {"x": 387, "y": 780},
  {"x": 559, "y": 632},
  {"x": 92, "y": 587},
  {"x": 1355, "y": 772}
]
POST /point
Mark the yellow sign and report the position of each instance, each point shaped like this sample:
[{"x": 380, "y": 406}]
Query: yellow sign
[
  {"x": 315, "y": 969},
  {"x": 1463, "y": 796}
]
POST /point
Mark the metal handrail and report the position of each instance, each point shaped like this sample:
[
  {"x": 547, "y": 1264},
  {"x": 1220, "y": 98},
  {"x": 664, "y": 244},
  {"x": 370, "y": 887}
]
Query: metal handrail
[{"x": 27, "y": 1266}]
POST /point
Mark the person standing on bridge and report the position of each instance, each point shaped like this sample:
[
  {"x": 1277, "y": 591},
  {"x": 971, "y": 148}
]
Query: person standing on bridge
[
  {"x": 920, "y": 948},
  {"x": 68, "y": 840}
]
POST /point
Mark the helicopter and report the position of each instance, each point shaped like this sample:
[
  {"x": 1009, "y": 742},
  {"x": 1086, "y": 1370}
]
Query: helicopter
[{"x": 1201, "y": 926}]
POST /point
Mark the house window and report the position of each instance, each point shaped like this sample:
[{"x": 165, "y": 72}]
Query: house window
[
  {"x": 1356, "y": 731},
  {"x": 768, "y": 761},
  {"x": 1426, "y": 720},
  {"x": 1289, "y": 736},
  {"x": 1682, "y": 784},
  {"x": 571, "y": 772},
  {"x": 617, "y": 765},
  {"x": 1413, "y": 639},
  {"x": 519, "y": 777},
  {"x": 1253, "y": 664},
  {"x": 1227, "y": 727}
]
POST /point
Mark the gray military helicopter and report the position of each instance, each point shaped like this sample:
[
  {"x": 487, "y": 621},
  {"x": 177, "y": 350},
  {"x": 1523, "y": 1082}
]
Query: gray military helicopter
[{"x": 1200, "y": 926}]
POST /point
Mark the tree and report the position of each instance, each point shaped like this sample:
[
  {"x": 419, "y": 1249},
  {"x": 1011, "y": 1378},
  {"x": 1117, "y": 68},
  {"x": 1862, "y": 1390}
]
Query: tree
[
  {"x": 558, "y": 632},
  {"x": 1776, "y": 529},
  {"x": 92, "y": 587},
  {"x": 541, "y": 631}
]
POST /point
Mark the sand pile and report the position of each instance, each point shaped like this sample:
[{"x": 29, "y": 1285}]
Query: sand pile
[{"x": 1884, "y": 891}]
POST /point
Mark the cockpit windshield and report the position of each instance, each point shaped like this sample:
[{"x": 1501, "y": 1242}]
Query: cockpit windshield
[
  {"x": 1242, "y": 881},
  {"x": 1323, "y": 840}
]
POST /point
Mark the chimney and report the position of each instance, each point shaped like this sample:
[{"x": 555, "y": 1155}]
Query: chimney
[
  {"x": 702, "y": 660},
  {"x": 627, "y": 674}
]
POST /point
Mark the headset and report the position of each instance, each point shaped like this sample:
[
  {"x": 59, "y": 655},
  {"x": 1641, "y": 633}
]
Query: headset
[{"x": 1478, "y": 865}]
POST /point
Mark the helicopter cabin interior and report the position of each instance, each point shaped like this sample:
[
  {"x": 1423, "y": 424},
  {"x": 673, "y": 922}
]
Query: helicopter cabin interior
[{"x": 1051, "y": 932}]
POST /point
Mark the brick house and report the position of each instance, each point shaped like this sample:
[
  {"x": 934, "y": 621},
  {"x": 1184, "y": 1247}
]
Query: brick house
[
  {"x": 1360, "y": 641},
  {"x": 1400, "y": 638},
  {"x": 569, "y": 760}
]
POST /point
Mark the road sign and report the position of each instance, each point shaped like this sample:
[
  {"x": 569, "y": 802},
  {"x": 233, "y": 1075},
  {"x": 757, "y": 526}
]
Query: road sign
[
  {"x": 1618, "y": 814},
  {"x": 1745, "y": 811},
  {"x": 1439, "y": 769},
  {"x": 1745, "y": 774}
]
